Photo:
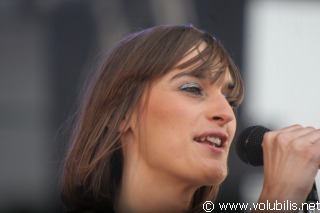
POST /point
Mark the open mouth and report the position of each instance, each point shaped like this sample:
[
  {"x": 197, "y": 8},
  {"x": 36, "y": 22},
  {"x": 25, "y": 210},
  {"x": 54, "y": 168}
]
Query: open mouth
[{"x": 214, "y": 141}]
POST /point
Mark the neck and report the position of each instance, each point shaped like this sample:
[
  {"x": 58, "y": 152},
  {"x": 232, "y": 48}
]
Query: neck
[{"x": 141, "y": 192}]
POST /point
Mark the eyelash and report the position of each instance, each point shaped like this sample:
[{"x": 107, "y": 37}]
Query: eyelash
[
  {"x": 192, "y": 87},
  {"x": 196, "y": 89}
]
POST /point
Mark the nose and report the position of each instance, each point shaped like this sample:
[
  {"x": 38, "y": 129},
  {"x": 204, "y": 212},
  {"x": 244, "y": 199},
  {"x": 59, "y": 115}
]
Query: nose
[{"x": 220, "y": 110}]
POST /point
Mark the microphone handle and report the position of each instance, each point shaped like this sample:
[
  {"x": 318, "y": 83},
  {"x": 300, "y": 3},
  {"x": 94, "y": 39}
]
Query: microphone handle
[
  {"x": 312, "y": 198},
  {"x": 313, "y": 195}
]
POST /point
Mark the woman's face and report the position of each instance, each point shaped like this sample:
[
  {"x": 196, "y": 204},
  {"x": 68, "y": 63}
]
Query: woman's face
[{"x": 181, "y": 125}]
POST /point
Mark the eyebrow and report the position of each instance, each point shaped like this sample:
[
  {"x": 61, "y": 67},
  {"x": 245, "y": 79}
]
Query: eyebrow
[{"x": 191, "y": 73}]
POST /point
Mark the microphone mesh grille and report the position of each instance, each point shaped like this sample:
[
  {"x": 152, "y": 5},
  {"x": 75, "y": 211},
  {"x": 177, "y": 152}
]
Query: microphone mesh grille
[{"x": 248, "y": 146}]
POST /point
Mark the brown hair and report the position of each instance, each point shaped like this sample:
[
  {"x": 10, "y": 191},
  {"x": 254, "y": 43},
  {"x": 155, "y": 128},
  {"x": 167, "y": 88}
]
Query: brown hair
[{"x": 93, "y": 167}]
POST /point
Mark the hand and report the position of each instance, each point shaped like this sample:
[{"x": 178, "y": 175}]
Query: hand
[{"x": 291, "y": 162}]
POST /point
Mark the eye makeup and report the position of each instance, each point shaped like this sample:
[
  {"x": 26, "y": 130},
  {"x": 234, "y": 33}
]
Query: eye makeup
[{"x": 192, "y": 87}]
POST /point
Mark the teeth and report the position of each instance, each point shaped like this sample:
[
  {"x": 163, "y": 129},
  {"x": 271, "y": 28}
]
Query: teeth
[{"x": 214, "y": 140}]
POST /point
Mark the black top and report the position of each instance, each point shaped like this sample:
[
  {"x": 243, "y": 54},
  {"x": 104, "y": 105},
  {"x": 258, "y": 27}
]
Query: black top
[{"x": 98, "y": 208}]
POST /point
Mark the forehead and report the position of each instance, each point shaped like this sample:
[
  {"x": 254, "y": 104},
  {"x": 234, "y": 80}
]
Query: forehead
[{"x": 198, "y": 64}]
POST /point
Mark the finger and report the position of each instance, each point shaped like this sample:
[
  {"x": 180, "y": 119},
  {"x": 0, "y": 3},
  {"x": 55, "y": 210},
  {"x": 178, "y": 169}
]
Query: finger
[
  {"x": 295, "y": 137},
  {"x": 289, "y": 136},
  {"x": 269, "y": 136},
  {"x": 302, "y": 133},
  {"x": 272, "y": 135},
  {"x": 308, "y": 146},
  {"x": 315, "y": 151},
  {"x": 290, "y": 128},
  {"x": 296, "y": 134},
  {"x": 310, "y": 137}
]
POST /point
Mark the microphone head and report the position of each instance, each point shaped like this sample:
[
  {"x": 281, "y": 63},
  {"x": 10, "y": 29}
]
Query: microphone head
[{"x": 248, "y": 146}]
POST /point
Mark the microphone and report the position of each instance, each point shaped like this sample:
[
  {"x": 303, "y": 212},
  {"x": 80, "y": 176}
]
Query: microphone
[
  {"x": 249, "y": 150},
  {"x": 248, "y": 146}
]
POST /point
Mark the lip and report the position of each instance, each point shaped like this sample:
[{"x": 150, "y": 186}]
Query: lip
[{"x": 214, "y": 133}]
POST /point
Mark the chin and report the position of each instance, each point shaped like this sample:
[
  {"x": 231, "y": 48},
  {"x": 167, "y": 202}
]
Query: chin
[{"x": 217, "y": 176}]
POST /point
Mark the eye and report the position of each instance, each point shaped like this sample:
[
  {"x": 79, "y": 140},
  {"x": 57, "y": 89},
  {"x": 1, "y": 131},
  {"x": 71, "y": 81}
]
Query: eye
[{"x": 192, "y": 87}]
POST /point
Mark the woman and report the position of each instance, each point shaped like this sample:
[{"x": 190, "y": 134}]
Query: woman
[{"x": 156, "y": 126}]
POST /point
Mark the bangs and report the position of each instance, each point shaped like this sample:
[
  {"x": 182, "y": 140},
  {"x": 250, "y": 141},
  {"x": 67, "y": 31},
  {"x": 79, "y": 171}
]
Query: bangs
[{"x": 214, "y": 63}]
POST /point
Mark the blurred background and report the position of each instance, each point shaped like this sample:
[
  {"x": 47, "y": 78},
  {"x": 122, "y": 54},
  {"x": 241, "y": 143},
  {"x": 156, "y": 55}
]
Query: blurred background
[{"x": 49, "y": 48}]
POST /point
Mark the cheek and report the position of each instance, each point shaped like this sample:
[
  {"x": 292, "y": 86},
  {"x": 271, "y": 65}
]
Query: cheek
[
  {"x": 169, "y": 115},
  {"x": 232, "y": 129},
  {"x": 165, "y": 126}
]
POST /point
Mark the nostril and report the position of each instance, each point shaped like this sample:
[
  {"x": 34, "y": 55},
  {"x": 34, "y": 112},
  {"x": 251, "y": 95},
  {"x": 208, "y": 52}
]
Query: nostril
[{"x": 217, "y": 118}]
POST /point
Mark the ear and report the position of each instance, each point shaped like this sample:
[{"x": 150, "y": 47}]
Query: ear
[
  {"x": 124, "y": 124},
  {"x": 127, "y": 122},
  {"x": 127, "y": 130}
]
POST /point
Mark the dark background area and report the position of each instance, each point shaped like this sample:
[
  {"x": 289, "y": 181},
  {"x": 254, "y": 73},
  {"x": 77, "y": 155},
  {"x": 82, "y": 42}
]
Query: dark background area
[{"x": 47, "y": 51}]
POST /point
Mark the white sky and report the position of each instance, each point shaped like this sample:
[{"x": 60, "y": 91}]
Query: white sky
[{"x": 282, "y": 44}]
